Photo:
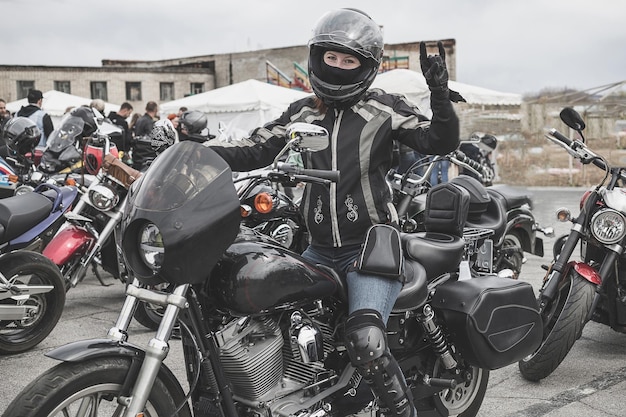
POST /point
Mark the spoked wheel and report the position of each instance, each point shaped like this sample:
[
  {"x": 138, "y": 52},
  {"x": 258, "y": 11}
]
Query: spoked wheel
[
  {"x": 465, "y": 399},
  {"x": 564, "y": 319},
  {"x": 42, "y": 310},
  {"x": 93, "y": 388},
  {"x": 511, "y": 255}
]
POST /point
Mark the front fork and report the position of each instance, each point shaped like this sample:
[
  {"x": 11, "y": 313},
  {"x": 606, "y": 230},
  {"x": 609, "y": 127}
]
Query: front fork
[
  {"x": 158, "y": 346},
  {"x": 101, "y": 238}
]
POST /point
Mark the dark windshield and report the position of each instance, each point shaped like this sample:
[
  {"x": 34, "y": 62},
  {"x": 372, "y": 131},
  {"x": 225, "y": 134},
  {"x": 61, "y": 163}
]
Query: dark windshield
[
  {"x": 66, "y": 135},
  {"x": 179, "y": 176}
]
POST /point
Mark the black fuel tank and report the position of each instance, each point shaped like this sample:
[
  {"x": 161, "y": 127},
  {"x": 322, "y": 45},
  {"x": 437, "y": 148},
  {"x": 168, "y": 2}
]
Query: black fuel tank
[{"x": 255, "y": 274}]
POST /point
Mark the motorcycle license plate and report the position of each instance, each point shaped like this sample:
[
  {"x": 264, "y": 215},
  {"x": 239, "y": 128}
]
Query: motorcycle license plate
[{"x": 484, "y": 257}]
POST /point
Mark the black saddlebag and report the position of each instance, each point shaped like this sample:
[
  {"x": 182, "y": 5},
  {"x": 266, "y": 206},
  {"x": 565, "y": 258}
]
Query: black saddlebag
[{"x": 493, "y": 322}]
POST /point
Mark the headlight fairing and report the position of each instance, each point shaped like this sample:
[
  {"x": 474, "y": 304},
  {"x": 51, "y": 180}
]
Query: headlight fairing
[{"x": 608, "y": 226}]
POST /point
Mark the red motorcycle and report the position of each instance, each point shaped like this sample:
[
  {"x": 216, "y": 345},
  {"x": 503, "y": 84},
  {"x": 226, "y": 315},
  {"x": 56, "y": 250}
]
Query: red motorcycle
[
  {"x": 593, "y": 288},
  {"x": 89, "y": 238}
]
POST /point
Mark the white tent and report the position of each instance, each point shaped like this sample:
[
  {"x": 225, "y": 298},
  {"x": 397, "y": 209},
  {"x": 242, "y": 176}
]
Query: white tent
[
  {"x": 55, "y": 103},
  {"x": 414, "y": 87},
  {"x": 239, "y": 107}
]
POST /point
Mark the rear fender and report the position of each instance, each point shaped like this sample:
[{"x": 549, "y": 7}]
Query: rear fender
[
  {"x": 523, "y": 226},
  {"x": 68, "y": 243}
]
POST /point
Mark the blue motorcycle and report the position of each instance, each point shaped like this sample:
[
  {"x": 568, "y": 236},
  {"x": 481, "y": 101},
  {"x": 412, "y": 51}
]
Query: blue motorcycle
[{"x": 32, "y": 289}]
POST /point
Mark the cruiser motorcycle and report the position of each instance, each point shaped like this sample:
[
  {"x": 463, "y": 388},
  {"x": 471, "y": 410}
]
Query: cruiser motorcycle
[
  {"x": 32, "y": 294},
  {"x": 500, "y": 217},
  {"x": 261, "y": 327},
  {"x": 90, "y": 236},
  {"x": 594, "y": 287}
]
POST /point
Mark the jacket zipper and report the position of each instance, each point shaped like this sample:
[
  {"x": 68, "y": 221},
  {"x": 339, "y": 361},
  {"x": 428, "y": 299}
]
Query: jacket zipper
[{"x": 334, "y": 221}]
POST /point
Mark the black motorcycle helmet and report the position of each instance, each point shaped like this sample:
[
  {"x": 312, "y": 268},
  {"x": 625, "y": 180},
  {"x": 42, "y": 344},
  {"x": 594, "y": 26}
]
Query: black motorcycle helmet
[
  {"x": 194, "y": 121},
  {"x": 349, "y": 31},
  {"x": 20, "y": 135}
]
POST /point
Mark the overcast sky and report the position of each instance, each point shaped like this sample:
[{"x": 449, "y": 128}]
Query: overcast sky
[{"x": 518, "y": 46}]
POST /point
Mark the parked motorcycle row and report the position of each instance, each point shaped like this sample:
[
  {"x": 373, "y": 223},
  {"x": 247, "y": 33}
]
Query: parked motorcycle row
[{"x": 256, "y": 346}]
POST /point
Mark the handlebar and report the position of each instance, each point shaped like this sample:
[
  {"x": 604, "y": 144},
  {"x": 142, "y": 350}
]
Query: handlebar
[
  {"x": 332, "y": 176},
  {"x": 577, "y": 149},
  {"x": 464, "y": 159}
]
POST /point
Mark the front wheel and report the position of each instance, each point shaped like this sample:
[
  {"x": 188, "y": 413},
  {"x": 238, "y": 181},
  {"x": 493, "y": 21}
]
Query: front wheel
[
  {"x": 42, "y": 311},
  {"x": 91, "y": 388},
  {"x": 563, "y": 320}
]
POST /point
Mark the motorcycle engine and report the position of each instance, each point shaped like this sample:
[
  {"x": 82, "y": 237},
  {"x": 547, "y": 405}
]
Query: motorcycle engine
[{"x": 275, "y": 367}]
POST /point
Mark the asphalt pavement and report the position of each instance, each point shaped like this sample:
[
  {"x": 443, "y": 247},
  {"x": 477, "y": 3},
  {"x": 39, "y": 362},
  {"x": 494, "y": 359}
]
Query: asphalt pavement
[{"x": 591, "y": 381}]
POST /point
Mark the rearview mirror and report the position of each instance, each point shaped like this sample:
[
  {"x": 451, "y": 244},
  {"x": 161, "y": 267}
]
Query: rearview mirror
[
  {"x": 307, "y": 137},
  {"x": 572, "y": 119}
]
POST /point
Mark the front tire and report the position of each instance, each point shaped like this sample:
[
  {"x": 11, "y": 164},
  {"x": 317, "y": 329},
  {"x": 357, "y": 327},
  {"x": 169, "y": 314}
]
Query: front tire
[
  {"x": 95, "y": 386},
  {"x": 31, "y": 268},
  {"x": 564, "y": 319}
]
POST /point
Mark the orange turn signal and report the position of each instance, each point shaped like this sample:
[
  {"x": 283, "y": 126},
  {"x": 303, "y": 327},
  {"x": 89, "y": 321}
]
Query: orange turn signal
[
  {"x": 263, "y": 203},
  {"x": 245, "y": 210}
]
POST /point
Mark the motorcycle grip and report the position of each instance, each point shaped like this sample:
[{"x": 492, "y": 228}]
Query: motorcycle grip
[
  {"x": 332, "y": 176},
  {"x": 561, "y": 137}
]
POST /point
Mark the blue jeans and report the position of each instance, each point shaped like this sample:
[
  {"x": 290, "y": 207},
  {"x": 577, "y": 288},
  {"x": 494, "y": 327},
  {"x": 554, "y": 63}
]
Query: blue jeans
[{"x": 364, "y": 291}]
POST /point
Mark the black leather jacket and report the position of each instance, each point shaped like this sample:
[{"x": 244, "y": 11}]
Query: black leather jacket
[{"x": 361, "y": 148}]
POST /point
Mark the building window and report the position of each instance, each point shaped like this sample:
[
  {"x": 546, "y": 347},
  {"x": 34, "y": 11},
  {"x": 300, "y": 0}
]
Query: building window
[
  {"x": 63, "y": 86},
  {"x": 196, "y": 88},
  {"x": 133, "y": 91},
  {"x": 167, "y": 91},
  {"x": 99, "y": 90},
  {"x": 23, "y": 87}
]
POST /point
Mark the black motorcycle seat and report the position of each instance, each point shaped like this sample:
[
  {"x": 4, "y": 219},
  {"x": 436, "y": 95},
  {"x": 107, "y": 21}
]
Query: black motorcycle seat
[
  {"x": 20, "y": 213},
  {"x": 493, "y": 218},
  {"x": 414, "y": 292},
  {"x": 438, "y": 253},
  {"x": 512, "y": 197}
]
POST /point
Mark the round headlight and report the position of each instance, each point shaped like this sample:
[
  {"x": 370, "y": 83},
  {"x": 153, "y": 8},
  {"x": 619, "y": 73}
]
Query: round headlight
[
  {"x": 608, "y": 226},
  {"x": 151, "y": 246},
  {"x": 103, "y": 197}
]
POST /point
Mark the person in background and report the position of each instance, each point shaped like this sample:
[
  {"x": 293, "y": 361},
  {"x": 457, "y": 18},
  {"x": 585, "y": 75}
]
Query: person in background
[
  {"x": 173, "y": 117},
  {"x": 440, "y": 172},
  {"x": 98, "y": 104},
  {"x": 148, "y": 147},
  {"x": 194, "y": 126},
  {"x": 119, "y": 118},
  {"x": 35, "y": 112},
  {"x": 141, "y": 151},
  {"x": 345, "y": 53},
  {"x": 5, "y": 115},
  {"x": 131, "y": 125},
  {"x": 143, "y": 127}
]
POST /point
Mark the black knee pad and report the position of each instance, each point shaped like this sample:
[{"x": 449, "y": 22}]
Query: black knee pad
[{"x": 366, "y": 338}]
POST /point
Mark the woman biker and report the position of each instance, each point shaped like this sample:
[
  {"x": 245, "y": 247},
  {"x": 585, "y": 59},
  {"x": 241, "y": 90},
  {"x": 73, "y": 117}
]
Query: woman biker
[{"x": 345, "y": 52}]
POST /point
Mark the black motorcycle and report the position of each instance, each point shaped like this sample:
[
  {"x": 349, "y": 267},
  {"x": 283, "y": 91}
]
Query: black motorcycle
[
  {"x": 594, "y": 288},
  {"x": 262, "y": 328},
  {"x": 500, "y": 216}
]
